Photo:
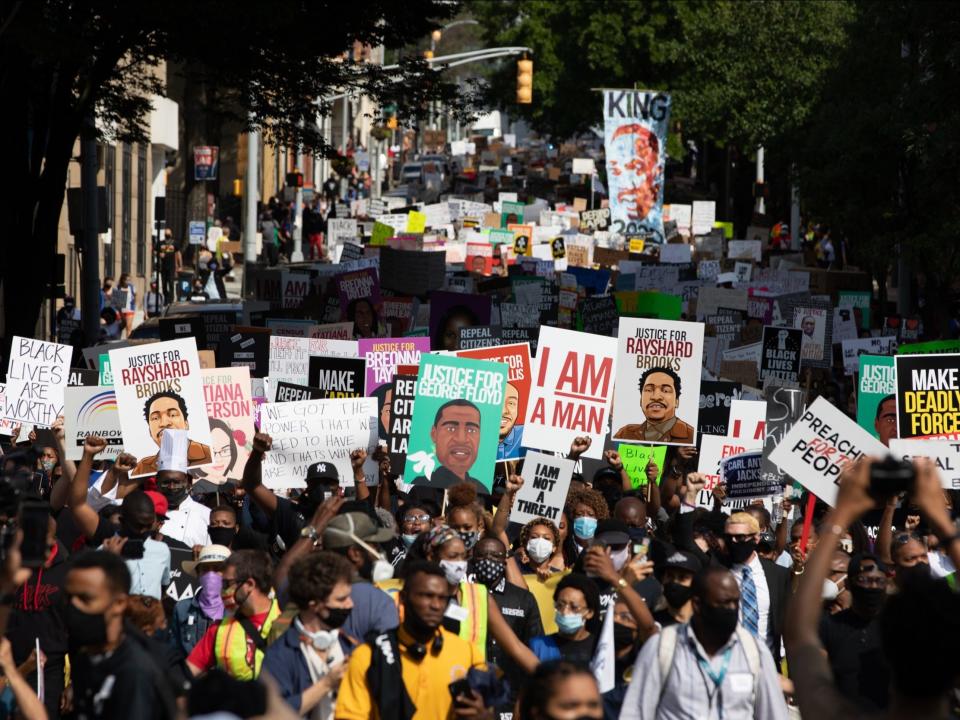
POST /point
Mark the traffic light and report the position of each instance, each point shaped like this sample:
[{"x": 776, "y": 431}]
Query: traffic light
[
  {"x": 295, "y": 179},
  {"x": 524, "y": 81},
  {"x": 237, "y": 187}
]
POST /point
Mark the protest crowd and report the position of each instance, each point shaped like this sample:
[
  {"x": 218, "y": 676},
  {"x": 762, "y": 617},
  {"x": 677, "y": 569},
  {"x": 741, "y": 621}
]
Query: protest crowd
[{"x": 489, "y": 457}]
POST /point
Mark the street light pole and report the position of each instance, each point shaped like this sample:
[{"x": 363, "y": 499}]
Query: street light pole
[
  {"x": 297, "y": 254},
  {"x": 250, "y": 197}
]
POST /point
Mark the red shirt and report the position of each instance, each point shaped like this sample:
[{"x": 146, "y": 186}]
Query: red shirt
[{"x": 202, "y": 655}]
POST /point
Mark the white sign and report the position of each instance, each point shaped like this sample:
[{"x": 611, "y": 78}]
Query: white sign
[
  {"x": 945, "y": 453},
  {"x": 745, "y": 250},
  {"x": 704, "y": 214},
  {"x": 310, "y": 431},
  {"x": 748, "y": 419},
  {"x": 584, "y": 166},
  {"x": 37, "y": 375},
  {"x": 290, "y": 356},
  {"x": 546, "y": 479},
  {"x": 572, "y": 388},
  {"x": 340, "y": 230},
  {"x": 714, "y": 449},
  {"x": 675, "y": 253},
  {"x": 91, "y": 411},
  {"x": 819, "y": 445},
  {"x": 853, "y": 349}
]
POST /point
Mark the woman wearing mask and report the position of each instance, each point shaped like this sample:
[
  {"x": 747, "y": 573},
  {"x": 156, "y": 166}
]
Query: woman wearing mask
[
  {"x": 414, "y": 519},
  {"x": 560, "y": 690},
  {"x": 577, "y": 607},
  {"x": 587, "y": 507},
  {"x": 465, "y": 514},
  {"x": 539, "y": 546}
]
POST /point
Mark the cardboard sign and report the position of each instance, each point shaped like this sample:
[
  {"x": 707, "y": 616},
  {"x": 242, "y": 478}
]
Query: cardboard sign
[
  {"x": 291, "y": 392},
  {"x": 784, "y": 408},
  {"x": 853, "y": 349},
  {"x": 715, "y": 400},
  {"x": 37, "y": 375},
  {"x": 635, "y": 459},
  {"x": 456, "y": 418},
  {"x": 479, "y": 258},
  {"x": 558, "y": 248},
  {"x": 876, "y": 385},
  {"x": 743, "y": 477},
  {"x": 573, "y": 387},
  {"x": 338, "y": 377},
  {"x": 591, "y": 220},
  {"x": 314, "y": 431},
  {"x": 780, "y": 362},
  {"x": 401, "y": 414},
  {"x": 381, "y": 233},
  {"x": 516, "y": 357},
  {"x": 546, "y": 480},
  {"x": 714, "y": 449},
  {"x": 928, "y": 395},
  {"x": 184, "y": 326},
  {"x": 384, "y": 354},
  {"x": 91, "y": 411},
  {"x": 340, "y": 230},
  {"x": 160, "y": 386},
  {"x": 290, "y": 357},
  {"x": 480, "y": 336},
  {"x": 229, "y": 402},
  {"x": 658, "y": 381},
  {"x": 745, "y": 250},
  {"x": 359, "y": 286},
  {"x": 818, "y": 447},
  {"x": 247, "y": 347},
  {"x": 945, "y": 453}
]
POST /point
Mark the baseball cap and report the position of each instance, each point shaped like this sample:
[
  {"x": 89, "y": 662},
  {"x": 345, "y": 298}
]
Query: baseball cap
[
  {"x": 344, "y": 531},
  {"x": 160, "y": 504},
  {"x": 682, "y": 560},
  {"x": 323, "y": 471},
  {"x": 208, "y": 554},
  {"x": 612, "y": 532}
]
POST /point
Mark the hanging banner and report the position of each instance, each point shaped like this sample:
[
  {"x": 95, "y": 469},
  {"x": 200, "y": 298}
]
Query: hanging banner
[
  {"x": 877, "y": 397},
  {"x": 635, "y": 140},
  {"x": 928, "y": 395}
]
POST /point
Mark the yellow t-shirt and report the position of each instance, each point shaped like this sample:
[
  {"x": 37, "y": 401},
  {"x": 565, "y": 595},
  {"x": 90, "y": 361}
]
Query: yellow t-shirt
[
  {"x": 427, "y": 680},
  {"x": 543, "y": 593}
]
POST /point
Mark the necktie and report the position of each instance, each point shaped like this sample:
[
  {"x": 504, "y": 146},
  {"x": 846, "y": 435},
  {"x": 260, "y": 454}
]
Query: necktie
[{"x": 749, "y": 609}]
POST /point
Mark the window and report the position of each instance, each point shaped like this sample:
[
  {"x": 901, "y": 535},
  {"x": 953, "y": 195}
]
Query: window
[
  {"x": 141, "y": 209},
  {"x": 110, "y": 173},
  {"x": 126, "y": 207}
]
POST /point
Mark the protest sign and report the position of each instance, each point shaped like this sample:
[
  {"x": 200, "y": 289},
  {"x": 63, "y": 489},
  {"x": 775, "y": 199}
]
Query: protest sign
[
  {"x": 291, "y": 392},
  {"x": 290, "y": 356},
  {"x": 747, "y": 418},
  {"x": 844, "y": 325},
  {"x": 928, "y": 395},
  {"x": 876, "y": 386},
  {"x": 934, "y": 347},
  {"x": 229, "y": 403},
  {"x": 479, "y": 258},
  {"x": 742, "y": 270},
  {"x": 784, "y": 408},
  {"x": 744, "y": 479},
  {"x": 350, "y": 251},
  {"x": 80, "y": 376},
  {"x": 246, "y": 347},
  {"x": 516, "y": 358},
  {"x": 944, "y": 453},
  {"x": 37, "y": 374},
  {"x": 216, "y": 325},
  {"x": 853, "y": 349},
  {"x": 658, "y": 364},
  {"x": 359, "y": 286},
  {"x": 91, "y": 411},
  {"x": 481, "y": 336},
  {"x": 591, "y": 220},
  {"x": 818, "y": 447},
  {"x": 450, "y": 311},
  {"x": 401, "y": 414},
  {"x": 340, "y": 230},
  {"x": 572, "y": 390},
  {"x": 159, "y": 387},
  {"x": 456, "y": 417},
  {"x": 184, "y": 326},
  {"x": 411, "y": 272},
  {"x": 384, "y": 354},
  {"x": 675, "y": 253},
  {"x": 745, "y": 250},
  {"x": 635, "y": 459},
  {"x": 312, "y": 431},
  {"x": 546, "y": 480},
  {"x": 598, "y": 315},
  {"x": 558, "y": 248},
  {"x": 703, "y": 215},
  {"x": 780, "y": 362},
  {"x": 857, "y": 299},
  {"x": 68, "y": 322},
  {"x": 337, "y": 377},
  {"x": 715, "y": 400},
  {"x": 714, "y": 449},
  {"x": 635, "y": 140},
  {"x": 381, "y": 233}
]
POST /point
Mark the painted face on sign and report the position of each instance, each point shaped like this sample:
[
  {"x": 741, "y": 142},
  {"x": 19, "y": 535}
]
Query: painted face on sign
[
  {"x": 165, "y": 414},
  {"x": 451, "y": 329},
  {"x": 808, "y": 325},
  {"x": 479, "y": 264},
  {"x": 456, "y": 435},
  {"x": 659, "y": 397},
  {"x": 511, "y": 406},
  {"x": 886, "y": 422},
  {"x": 638, "y": 179}
]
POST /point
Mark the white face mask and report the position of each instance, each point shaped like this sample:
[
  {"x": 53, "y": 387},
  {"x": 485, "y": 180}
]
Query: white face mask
[
  {"x": 831, "y": 589},
  {"x": 539, "y": 549},
  {"x": 619, "y": 558},
  {"x": 382, "y": 570},
  {"x": 455, "y": 570}
]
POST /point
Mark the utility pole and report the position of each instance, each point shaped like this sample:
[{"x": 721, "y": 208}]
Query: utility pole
[
  {"x": 90, "y": 308},
  {"x": 297, "y": 254},
  {"x": 250, "y": 197},
  {"x": 760, "y": 208}
]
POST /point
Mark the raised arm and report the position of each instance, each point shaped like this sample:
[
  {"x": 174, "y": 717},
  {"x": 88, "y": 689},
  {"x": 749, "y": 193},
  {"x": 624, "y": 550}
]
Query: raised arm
[
  {"x": 383, "y": 489},
  {"x": 502, "y": 517},
  {"x": 520, "y": 653},
  {"x": 252, "y": 481},
  {"x": 327, "y": 510},
  {"x": 61, "y": 489},
  {"x": 84, "y": 516},
  {"x": 357, "y": 458},
  {"x": 928, "y": 495},
  {"x": 784, "y": 527},
  {"x": 885, "y": 533}
]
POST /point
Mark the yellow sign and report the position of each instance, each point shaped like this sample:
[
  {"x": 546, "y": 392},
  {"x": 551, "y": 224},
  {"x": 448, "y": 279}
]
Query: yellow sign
[{"x": 636, "y": 245}]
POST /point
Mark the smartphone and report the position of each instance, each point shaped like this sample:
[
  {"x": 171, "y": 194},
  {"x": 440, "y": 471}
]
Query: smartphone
[
  {"x": 641, "y": 548},
  {"x": 459, "y": 687},
  {"x": 34, "y": 522}
]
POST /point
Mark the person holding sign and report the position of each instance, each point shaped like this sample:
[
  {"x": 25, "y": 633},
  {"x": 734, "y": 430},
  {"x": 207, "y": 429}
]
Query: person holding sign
[
  {"x": 168, "y": 410},
  {"x": 659, "y": 398}
]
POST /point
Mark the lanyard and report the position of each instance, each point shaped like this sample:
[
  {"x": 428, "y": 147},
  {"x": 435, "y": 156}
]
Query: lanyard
[{"x": 718, "y": 677}]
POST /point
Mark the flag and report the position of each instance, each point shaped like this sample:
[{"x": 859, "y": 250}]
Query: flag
[{"x": 604, "y": 658}]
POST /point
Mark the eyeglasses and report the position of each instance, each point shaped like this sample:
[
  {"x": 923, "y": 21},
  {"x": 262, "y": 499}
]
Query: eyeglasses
[
  {"x": 903, "y": 538},
  {"x": 564, "y": 606},
  {"x": 416, "y": 518}
]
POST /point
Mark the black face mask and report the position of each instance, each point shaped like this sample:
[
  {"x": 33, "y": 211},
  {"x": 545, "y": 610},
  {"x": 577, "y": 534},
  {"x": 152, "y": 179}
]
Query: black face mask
[
  {"x": 221, "y": 535},
  {"x": 175, "y": 495},
  {"x": 624, "y": 636},
  {"x": 676, "y": 594},
  {"x": 311, "y": 499},
  {"x": 739, "y": 552},
  {"x": 915, "y": 573},
  {"x": 719, "y": 622},
  {"x": 336, "y": 617},
  {"x": 84, "y": 629},
  {"x": 867, "y": 601}
]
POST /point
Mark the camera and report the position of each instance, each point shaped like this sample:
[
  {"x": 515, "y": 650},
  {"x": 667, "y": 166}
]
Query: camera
[{"x": 891, "y": 477}]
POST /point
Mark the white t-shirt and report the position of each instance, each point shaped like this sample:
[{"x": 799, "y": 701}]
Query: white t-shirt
[{"x": 188, "y": 523}]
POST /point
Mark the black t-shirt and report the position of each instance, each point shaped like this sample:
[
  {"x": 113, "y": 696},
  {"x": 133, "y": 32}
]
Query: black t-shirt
[
  {"x": 286, "y": 523},
  {"x": 664, "y": 618},
  {"x": 577, "y": 651},
  {"x": 649, "y": 589},
  {"x": 521, "y": 612},
  {"x": 856, "y": 659},
  {"x": 38, "y": 613}
]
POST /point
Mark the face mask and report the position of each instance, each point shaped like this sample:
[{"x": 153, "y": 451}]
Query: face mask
[
  {"x": 740, "y": 552},
  {"x": 676, "y": 594},
  {"x": 469, "y": 539},
  {"x": 637, "y": 534},
  {"x": 719, "y": 621},
  {"x": 175, "y": 496},
  {"x": 455, "y": 570},
  {"x": 830, "y": 590},
  {"x": 408, "y": 540},
  {"x": 211, "y": 603},
  {"x": 336, "y": 617},
  {"x": 568, "y": 624},
  {"x": 868, "y": 600},
  {"x": 539, "y": 549},
  {"x": 619, "y": 558},
  {"x": 221, "y": 535},
  {"x": 380, "y": 570},
  {"x": 48, "y": 465},
  {"x": 920, "y": 571},
  {"x": 623, "y": 636},
  {"x": 84, "y": 629},
  {"x": 489, "y": 572},
  {"x": 584, "y": 527}
]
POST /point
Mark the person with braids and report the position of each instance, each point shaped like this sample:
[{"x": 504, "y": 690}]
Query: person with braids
[{"x": 539, "y": 548}]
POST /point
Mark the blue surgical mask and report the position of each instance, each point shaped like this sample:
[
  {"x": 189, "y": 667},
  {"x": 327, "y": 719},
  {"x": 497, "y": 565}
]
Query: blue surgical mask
[
  {"x": 408, "y": 540},
  {"x": 568, "y": 624},
  {"x": 584, "y": 527}
]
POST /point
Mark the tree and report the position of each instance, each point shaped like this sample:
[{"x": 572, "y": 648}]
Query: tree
[{"x": 60, "y": 59}]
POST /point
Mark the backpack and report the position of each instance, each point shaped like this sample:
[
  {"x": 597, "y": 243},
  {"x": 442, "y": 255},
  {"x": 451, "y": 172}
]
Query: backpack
[{"x": 668, "y": 646}]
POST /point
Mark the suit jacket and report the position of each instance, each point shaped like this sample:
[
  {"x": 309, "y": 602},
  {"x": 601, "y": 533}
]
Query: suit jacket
[
  {"x": 197, "y": 454},
  {"x": 778, "y": 584},
  {"x": 681, "y": 432}
]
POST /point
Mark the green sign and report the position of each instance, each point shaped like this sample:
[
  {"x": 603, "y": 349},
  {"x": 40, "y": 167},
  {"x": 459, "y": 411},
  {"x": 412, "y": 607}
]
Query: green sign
[
  {"x": 857, "y": 299},
  {"x": 381, "y": 233},
  {"x": 934, "y": 347},
  {"x": 636, "y": 457},
  {"x": 875, "y": 381},
  {"x": 500, "y": 236},
  {"x": 106, "y": 374},
  {"x": 649, "y": 304}
]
